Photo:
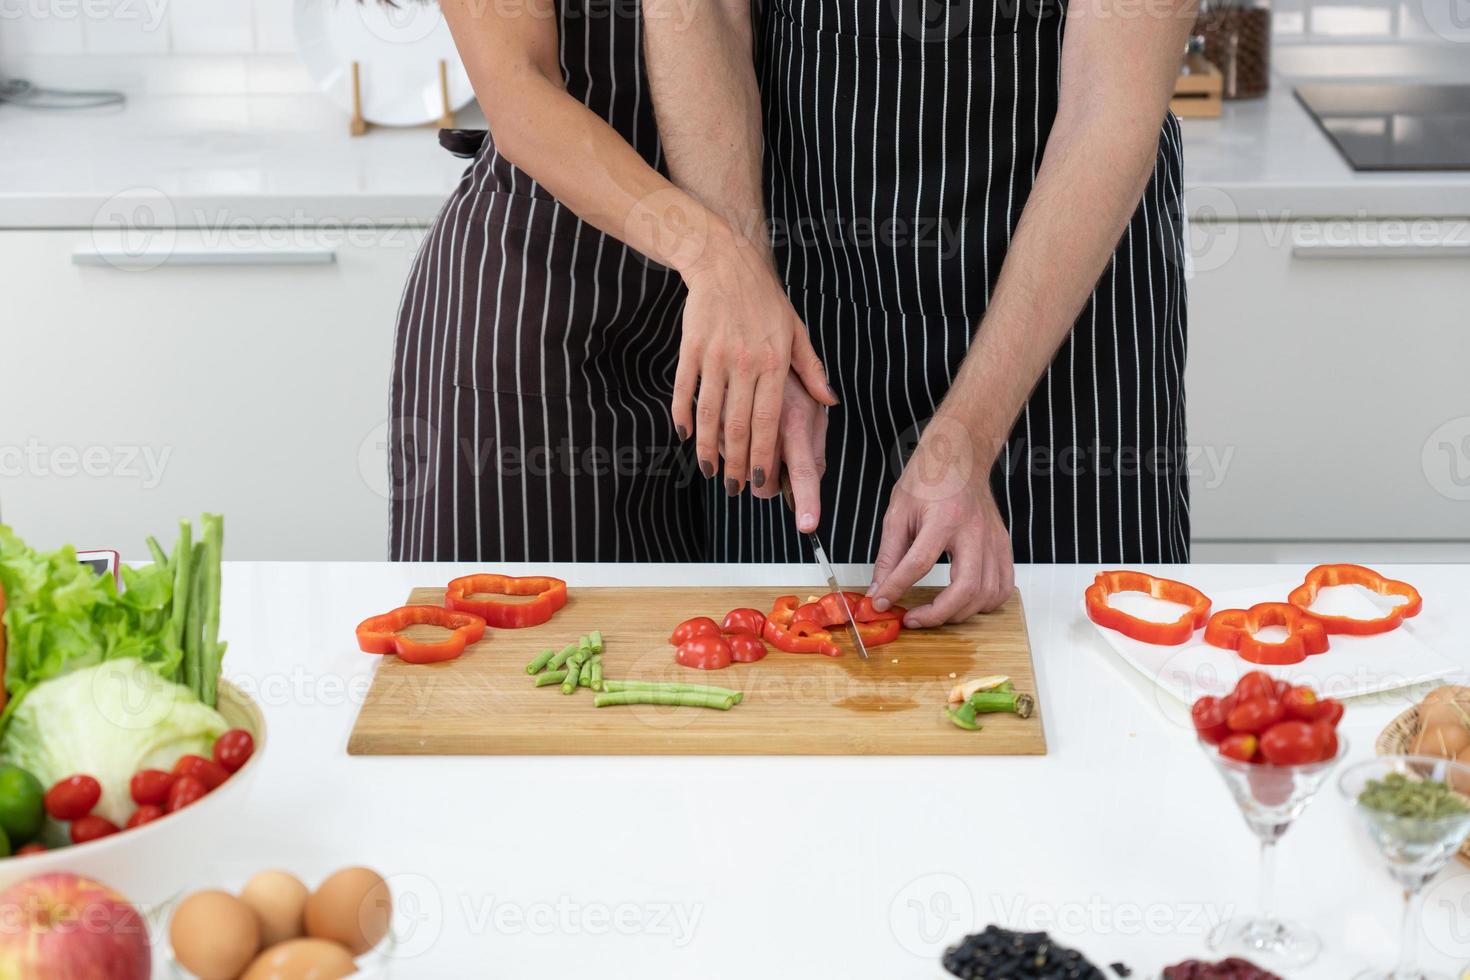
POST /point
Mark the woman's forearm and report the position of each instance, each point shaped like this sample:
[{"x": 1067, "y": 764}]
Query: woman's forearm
[
  {"x": 570, "y": 150},
  {"x": 1117, "y": 74}
]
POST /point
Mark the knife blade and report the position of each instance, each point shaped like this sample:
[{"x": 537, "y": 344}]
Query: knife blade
[{"x": 826, "y": 566}]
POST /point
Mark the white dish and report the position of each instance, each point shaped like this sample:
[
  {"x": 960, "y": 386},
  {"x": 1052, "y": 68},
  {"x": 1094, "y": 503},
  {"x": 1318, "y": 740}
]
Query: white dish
[
  {"x": 1352, "y": 665},
  {"x": 151, "y": 864},
  {"x": 397, "y": 48}
]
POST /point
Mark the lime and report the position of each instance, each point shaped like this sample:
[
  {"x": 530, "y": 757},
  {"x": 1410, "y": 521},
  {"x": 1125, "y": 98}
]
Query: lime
[{"x": 21, "y": 808}]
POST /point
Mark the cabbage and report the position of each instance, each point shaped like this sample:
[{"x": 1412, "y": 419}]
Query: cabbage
[{"x": 108, "y": 721}]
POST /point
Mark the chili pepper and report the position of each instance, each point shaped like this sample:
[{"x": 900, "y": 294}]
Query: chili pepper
[
  {"x": 801, "y": 638},
  {"x": 1324, "y": 576},
  {"x": 550, "y": 595},
  {"x": 1146, "y": 631},
  {"x": 1235, "y": 629},
  {"x": 382, "y": 634}
]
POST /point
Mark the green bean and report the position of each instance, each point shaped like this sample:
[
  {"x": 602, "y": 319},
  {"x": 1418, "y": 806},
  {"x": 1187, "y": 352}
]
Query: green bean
[
  {"x": 558, "y": 661},
  {"x": 584, "y": 650},
  {"x": 724, "y": 692},
  {"x": 212, "y": 530},
  {"x": 595, "y": 681},
  {"x": 595, "y": 638},
  {"x": 550, "y": 677},
  {"x": 194, "y": 622},
  {"x": 690, "y": 699},
  {"x": 539, "y": 664},
  {"x": 573, "y": 678}
]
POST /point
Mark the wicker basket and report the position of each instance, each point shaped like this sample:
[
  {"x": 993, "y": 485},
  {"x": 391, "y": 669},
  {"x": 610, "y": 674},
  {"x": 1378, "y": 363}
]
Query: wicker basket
[{"x": 1398, "y": 739}]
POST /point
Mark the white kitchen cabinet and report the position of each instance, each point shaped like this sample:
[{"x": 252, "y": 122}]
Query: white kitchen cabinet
[
  {"x": 1328, "y": 382},
  {"x": 247, "y": 375}
]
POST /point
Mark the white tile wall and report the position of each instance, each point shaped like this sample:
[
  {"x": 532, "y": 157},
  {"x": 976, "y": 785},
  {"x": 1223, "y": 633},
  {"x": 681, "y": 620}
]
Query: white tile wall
[{"x": 145, "y": 27}]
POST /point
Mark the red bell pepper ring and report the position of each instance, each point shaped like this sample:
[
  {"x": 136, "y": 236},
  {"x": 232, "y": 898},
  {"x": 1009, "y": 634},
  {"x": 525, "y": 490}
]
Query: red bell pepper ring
[
  {"x": 381, "y": 634},
  {"x": 801, "y": 638},
  {"x": 550, "y": 595},
  {"x": 1234, "y": 629},
  {"x": 1324, "y": 576},
  {"x": 1147, "y": 631}
]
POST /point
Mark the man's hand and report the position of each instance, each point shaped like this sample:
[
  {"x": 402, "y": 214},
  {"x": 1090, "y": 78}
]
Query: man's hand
[
  {"x": 802, "y": 449},
  {"x": 742, "y": 342},
  {"x": 942, "y": 502}
]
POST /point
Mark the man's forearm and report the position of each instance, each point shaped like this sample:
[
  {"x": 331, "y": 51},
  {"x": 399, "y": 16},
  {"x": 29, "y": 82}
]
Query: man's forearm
[
  {"x": 702, "y": 80},
  {"x": 1117, "y": 74}
]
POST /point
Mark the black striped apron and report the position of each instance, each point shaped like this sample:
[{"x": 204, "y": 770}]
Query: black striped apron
[
  {"x": 902, "y": 141},
  {"x": 534, "y": 355}
]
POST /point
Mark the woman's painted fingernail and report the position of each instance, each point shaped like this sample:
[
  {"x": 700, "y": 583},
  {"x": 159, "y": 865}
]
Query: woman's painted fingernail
[
  {"x": 683, "y": 432},
  {"x": 732, "y": 487},
  {"x": 707, "y": 468},
  {"x": 758, "y": 476}
]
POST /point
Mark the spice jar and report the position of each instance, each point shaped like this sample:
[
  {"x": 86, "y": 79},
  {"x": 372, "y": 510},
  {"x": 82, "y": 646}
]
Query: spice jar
[{"x": 1237, "y": 40}]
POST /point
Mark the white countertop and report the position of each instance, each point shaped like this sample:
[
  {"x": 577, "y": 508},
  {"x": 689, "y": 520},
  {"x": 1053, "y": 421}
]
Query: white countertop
[
  {"x": 287, "y": 158},
  {"x": 1121, "y": 841}
]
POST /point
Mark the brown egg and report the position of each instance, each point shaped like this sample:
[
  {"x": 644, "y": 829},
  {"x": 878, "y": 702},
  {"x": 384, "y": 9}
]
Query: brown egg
[
  {"x": 351, "y": 907},
  {"x": 302, "y": 959},
  {"x": 1447, "y": 692},
  {"x": 1459, "y": 783},
  {"x": 1442, "y": 741},
  {"x": 214, "y": 935},
  {"x": 1444, "y": 713},
  {"x": 279, "y": 902}
]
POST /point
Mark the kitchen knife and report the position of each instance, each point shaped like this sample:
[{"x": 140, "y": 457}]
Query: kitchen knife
[{"x": 826, "y": 565}]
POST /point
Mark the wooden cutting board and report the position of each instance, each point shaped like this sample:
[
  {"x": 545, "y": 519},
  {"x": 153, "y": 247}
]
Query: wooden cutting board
[{"x": 484, "y": 703}]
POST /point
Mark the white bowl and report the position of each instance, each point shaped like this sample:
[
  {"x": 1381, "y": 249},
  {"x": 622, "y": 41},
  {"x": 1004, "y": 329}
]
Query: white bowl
[{"x": 151, "y": 864}]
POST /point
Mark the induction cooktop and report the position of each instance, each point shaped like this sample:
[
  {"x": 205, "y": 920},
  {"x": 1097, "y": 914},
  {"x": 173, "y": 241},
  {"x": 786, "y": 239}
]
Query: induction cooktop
[{"x": 1394, "y": 126}]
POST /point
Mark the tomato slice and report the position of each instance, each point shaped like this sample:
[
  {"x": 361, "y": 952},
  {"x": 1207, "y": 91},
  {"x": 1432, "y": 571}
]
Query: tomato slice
[
  {"x": 690, "y": 628},
  {"x": 751, "y": 622},
  {"x": 746, "y": 649},
  {"x": 705, "y": 652}
]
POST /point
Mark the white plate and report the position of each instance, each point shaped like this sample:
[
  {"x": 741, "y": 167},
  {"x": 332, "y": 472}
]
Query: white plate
[
  {"x": 1352, "y": 665},
  {"x": 397, "y": 49}
]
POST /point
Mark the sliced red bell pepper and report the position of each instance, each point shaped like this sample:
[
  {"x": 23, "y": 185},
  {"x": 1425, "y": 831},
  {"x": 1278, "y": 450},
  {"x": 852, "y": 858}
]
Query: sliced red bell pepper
[
  {"x": 550, "y": 595},
  {"x": 880, "y": 631},
  {"x": 827, "y": 611},
  {"x": 382, "y": 634},
  {"x": 864, "y": 612},
  {"x": 801, "y": 638},
  {"x": 783, "y": 610},
  {"x": 1147, "y": 631},
  {"x": 1234, "y": 629},
  {"x": 1324, "y": 576}
]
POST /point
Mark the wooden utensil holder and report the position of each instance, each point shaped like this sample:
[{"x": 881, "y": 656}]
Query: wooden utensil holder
[
  {"x": 1199, "y": 90},
  {"x": 359, "y": 125}
]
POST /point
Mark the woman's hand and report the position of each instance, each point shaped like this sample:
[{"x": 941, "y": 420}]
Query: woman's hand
[
  {"x": 942, "y": 502},
  {"x": 802, "y": 448},
  {"x": 741, "y": 339}
]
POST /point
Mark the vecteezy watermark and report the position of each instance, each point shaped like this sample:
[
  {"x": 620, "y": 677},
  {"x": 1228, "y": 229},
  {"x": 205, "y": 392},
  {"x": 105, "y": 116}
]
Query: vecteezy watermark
[
  {"x": 566, "y": 916},
  {"x": 149, "y": 12},
  {"x": 1096, "y": 915},
  {"x": 145, "y": 464},
  {"x": 1446, "y": 459},
  {"x": 931, "y": 912}
]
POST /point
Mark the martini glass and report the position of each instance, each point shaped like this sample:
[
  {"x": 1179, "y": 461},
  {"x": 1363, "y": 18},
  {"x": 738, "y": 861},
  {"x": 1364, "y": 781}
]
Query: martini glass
[
  {"x": 1414, "y": 849},
  {"x": 1270, "y": 798}
]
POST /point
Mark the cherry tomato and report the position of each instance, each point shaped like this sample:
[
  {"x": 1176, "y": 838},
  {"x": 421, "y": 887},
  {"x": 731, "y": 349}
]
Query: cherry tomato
[
  {"x": 207, "y": 771},
  {"x": 150, "y": 786},
  {"x": 1208, "y": 715},
  {"x": 1327, "y": 735},
  {"x": 1255, "y": 684},
  {"x": 1300, "y": 703},
  {"x": 233, "y": 749},
  {"x": 751, "y": 622},
  {"x": 34, "y": 847},
  {"x": 146, "y": 813},
  {"x": 73, "y": 797},
  {"x": 1241, "y": 745},
  {"x": 185, "y": 790},
  {"x": 1331, "y": 711},
  {"x": 705, "y": 652},
  {"x": 1254, "y": 715},
  {"x": 91, "y": 827},
  {"x": 1291, "y": 743},
  {"x": 690, "y": 628},
  {"x": 746, "y": 649}
]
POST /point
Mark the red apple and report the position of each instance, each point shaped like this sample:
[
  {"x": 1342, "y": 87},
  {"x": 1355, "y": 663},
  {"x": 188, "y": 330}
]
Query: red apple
[{"x": 64, "y": 927}]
